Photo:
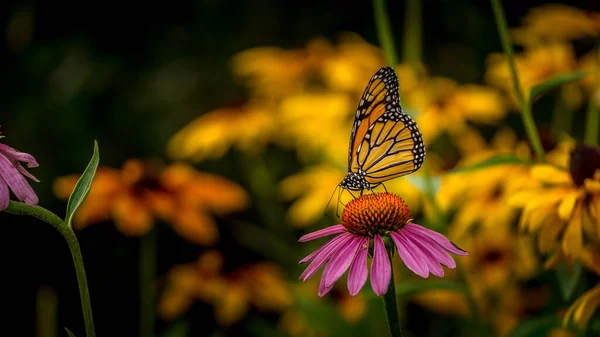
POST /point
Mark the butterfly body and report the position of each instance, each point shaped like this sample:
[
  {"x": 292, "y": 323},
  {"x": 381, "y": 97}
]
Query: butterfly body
[{"x": 385, "y": 143}]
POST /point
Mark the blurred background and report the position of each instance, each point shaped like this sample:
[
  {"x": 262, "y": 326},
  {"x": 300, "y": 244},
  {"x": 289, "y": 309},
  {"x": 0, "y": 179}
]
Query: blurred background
[{"x": 223, "y": 129}]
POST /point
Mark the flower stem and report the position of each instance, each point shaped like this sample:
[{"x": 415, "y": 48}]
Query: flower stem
[
  {"x": 593, "y": 121},
  {"x": 413, "y": 32},
  {"x": 52, "y": 219},
  {"x": 384, "y": 32},
  {"x": 593, "y": 113},
  {"x": 147, "y": 274},
  {"x": 391, "y": 309},
  {"x": 526, "y": 115}
]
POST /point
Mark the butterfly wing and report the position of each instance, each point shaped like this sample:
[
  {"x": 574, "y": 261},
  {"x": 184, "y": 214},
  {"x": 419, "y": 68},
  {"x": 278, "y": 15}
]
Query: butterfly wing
[{"x": 385, "y": 143}]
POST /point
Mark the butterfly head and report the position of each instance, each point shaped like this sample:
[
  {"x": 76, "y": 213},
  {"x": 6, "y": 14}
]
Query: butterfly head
[{"x": 355, "y": 182}]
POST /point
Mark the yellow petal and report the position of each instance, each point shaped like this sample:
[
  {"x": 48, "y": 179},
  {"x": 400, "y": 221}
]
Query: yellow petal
[
  {"x": 538, "y": 217},
  {"x": 592, "y": 186},
  {"x": 566, "y": 206},
  {"x": 551, "y": 175},
  {"x": 595, "y": 208},
  {"x": 584, "y": 307},
  {"x": 590, "y": 258},
  {"x": 573, "y": 240},
  {"x": 232, "y": 305},
  {"x": 549, "y": 233},
  {"x": 554, "y": 260}
]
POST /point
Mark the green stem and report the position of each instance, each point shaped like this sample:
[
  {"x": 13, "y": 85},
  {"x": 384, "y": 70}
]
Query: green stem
[
  {"x": 413, "y": 32},
  {"x": 593, "y": 114},
  {"x": 52, "y": 219},
  {"x": 473, "y": 306},
  {"x": 384, "y": 32},
  {"x": 147, "y": 274},
  {"x": 593, "y": 121},
  {"x": 391, "y": 308},
  {"x": 526, "y": 115}
]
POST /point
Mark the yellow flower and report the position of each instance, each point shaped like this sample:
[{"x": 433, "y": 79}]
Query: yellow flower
[
  {"x": 534, "y": 65},
  {"x": 557, "y": 22},
  {"x": 139, "y": 193},
  {"x": 275, "y": 72},
  {"x": 583, "y": 308},
  {"x": 317, "y": 125},
  {"x": 563, "y": 204},
  {"x": 442, "y": 99},
  {"x": 480, "y": 196},
  {"x": 249, "y": 128},
  {"x": 353, "y": 62},
  {"x": 260, "y": 285}
]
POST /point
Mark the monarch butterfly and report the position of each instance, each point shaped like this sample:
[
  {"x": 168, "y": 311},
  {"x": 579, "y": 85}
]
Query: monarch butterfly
[{"x": 385, "y": 143}]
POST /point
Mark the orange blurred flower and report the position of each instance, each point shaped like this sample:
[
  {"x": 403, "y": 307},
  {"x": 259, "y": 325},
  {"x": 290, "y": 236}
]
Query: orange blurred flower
[
  {"x": 260, "y": 284},
  {"x": 141, "y": 192},
  {"x": 552, "y": 22}
]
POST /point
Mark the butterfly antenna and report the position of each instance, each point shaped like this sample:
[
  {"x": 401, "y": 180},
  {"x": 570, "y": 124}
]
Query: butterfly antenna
[{"x": 331, "y": 197}]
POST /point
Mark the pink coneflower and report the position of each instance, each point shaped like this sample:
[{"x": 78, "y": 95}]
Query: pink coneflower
[
  {"x": 11, "y": 176},
  {"x": 371, "y": 218}
]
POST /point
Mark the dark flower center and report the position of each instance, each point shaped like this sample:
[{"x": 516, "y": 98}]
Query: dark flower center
[
  {"x": 375, "y": 214},
  {"x": 585, "y": 160}
]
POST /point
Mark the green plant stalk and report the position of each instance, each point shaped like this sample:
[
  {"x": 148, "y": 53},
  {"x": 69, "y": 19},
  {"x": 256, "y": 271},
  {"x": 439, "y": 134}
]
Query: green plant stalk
[
  {"x": 473, "y": 306},
  {"x": 384, "y": 32},
  {"x": 593, "y": 116},
  {"x": 58, "y": 224},
  {"x": 391, "y": 308},
  {"x": 147, "y": 274},
  {"x": 413, "y": 32},
  {"x": 593, "y": 122},
  {"x": 526, "y": 115}
]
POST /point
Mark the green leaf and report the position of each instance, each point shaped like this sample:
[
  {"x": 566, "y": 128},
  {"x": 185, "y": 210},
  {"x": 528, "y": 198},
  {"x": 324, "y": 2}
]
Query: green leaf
[
  {"x": 568, "y": 280},
  {"x": 70, "y": 333},
  {"x": 535, "y": 327},
  {"x": 498, "y": 160},
  {"x": 555, "y": 82},
  {"x": 83, "y": 186}
]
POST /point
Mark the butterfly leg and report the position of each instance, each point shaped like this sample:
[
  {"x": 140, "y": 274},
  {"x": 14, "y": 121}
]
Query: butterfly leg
[{"x": 385, "y": 188}]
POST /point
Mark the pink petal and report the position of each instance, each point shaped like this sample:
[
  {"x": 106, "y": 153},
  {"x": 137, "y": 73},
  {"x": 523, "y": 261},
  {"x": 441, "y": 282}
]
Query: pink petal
[
  {"x": 441, "y": 254},
  {"x": 24, "y": 172},
  {"x": 408, "y": 255},
  {"x": 439, "y": 238},
  {"x": 15, "y": 155},
  {"x": 324, "y": 255},
  {"x": 4, "y": 194},
  {"x": 381, "y": 270},
  {"x": 316, "y": 252},
  {"x": 426, "y": 253},
  {"x": 340, "y": 260},
  {"x": 17, "y": 182},
  {"x": 321, "y": 233},
  {"x": 357, "y": 276},
  {"x": 324, "y": 288}
]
